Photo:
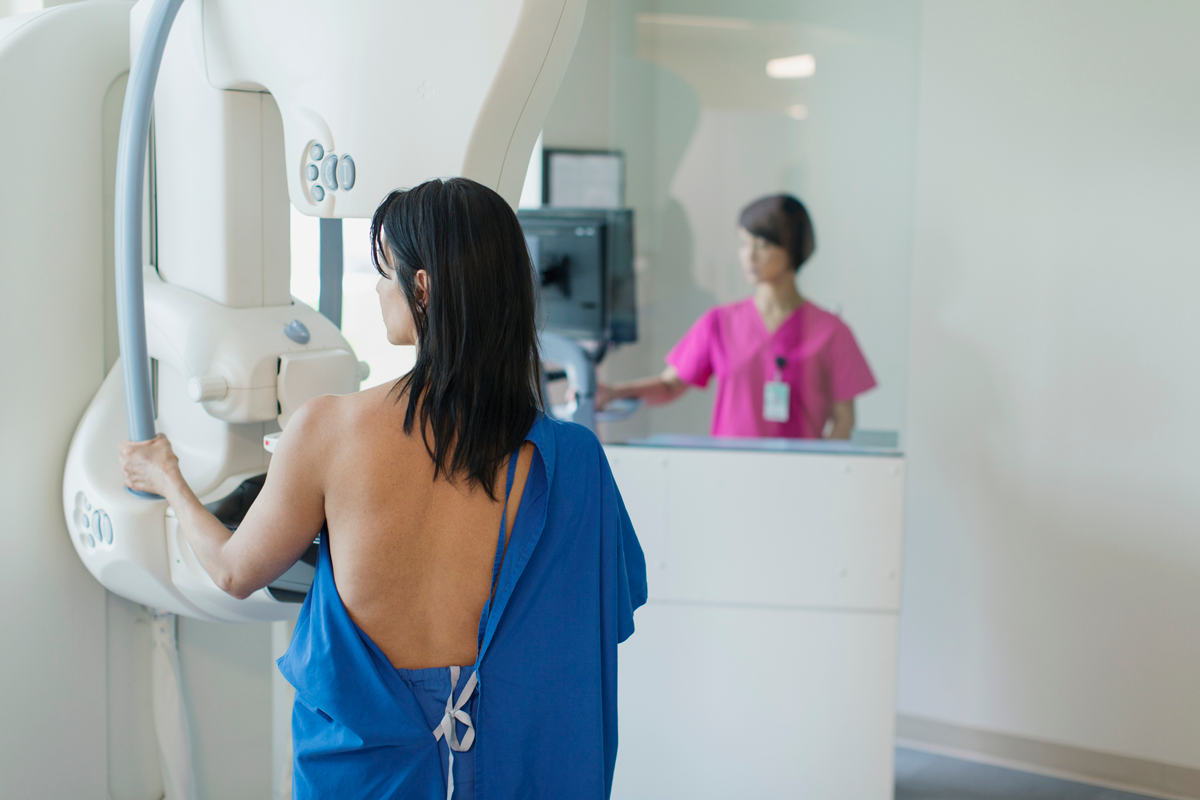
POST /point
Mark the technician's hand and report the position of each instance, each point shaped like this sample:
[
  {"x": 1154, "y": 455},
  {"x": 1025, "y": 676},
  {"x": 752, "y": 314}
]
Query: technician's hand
[
  {"x": 603, "y": 395},
  {"x": 150, "y": 466}
]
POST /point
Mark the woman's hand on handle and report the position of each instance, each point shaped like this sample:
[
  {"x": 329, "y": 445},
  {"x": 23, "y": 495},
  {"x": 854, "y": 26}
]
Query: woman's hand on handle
[
  {"x": 280, "y": 524},
  {"x": 150, "y": 466}
]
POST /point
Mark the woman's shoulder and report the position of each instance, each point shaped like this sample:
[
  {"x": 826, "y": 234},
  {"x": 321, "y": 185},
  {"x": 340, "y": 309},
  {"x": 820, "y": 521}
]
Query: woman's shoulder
[
  {"x": 566, "y": 445},
  {"x": 822, "y": 319},
  {"x": 332, "y": 409},
  {"x": 328, "y": 421},
  {"x": 818, "y": 312},
  {"x": 721, "y": 315},
  {"x": 736, "y": 308},
  {"x": 564, "y": 434}
]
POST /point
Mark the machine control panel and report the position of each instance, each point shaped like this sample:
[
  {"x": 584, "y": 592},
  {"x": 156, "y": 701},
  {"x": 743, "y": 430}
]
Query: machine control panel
[
  {"x": 93, "y": 524},
  {"x": 326, "y": 172}
]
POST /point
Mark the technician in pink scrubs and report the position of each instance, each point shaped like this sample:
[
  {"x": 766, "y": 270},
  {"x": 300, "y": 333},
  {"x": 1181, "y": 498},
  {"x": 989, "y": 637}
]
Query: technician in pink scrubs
[{"x": 784, "y": 366}]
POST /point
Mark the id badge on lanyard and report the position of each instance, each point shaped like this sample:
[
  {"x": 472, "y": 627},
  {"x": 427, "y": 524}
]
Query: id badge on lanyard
[{"x": 777, "y": 395}]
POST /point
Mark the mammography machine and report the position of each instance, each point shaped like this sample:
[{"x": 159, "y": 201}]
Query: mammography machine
[{"x": 245, "y": 120}]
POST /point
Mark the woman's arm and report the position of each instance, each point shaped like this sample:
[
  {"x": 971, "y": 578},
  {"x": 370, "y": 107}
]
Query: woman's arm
[
  {"x": 652, "y": 391},
  {"x": 280, "y": 525},
  {"x": 842, "y": 415}
]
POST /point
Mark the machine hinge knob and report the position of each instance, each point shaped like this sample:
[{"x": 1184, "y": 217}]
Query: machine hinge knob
[{"x": 210, "y": 387}]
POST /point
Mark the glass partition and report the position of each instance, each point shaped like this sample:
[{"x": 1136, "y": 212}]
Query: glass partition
[{"x": 714, "y": 104}]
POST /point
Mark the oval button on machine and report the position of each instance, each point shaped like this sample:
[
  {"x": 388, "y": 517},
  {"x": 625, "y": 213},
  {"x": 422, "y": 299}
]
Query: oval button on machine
[
  {"x": 316, "y": 152},
  {"x": 346, "y": 172},
  {"x": 329, "y": 172},
  {"x": 318, "y": 193},
  {"x": 105, "y": 528},
  {"x": 297, "y": 332},
  {"x": 312, "y": 173}
]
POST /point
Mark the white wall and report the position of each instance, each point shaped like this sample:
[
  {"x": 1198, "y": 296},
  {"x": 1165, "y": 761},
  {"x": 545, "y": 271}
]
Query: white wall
[
  {"x": 1052, "y": 578},
  {"x": 54, "y": 720},
  {"x": 226, "y": 674}
]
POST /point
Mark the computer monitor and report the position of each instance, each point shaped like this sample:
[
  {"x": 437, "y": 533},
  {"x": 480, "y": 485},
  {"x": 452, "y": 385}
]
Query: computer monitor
[{"x": 584, "y": 261}]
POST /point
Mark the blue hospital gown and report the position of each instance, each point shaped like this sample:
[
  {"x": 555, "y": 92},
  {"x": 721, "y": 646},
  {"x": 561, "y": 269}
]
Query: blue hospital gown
[{"x": 544, "y": 705}]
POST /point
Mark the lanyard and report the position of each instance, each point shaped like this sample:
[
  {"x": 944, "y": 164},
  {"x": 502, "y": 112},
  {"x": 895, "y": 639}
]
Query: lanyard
[{"x": 777, "y": 395}]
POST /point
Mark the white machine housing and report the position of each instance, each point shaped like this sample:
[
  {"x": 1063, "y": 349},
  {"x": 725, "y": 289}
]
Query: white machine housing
[
  {"x": 258, "y": 104},
  {"x": 262, "y": 375}
]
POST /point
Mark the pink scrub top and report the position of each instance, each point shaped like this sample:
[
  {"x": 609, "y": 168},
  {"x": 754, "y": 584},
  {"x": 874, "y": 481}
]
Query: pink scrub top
[{"x": 823, "y": 366}]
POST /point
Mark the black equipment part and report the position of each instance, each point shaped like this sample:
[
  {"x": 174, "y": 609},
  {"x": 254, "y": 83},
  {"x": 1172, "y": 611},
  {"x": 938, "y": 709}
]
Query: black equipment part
[{"x": 584, "y": 260}]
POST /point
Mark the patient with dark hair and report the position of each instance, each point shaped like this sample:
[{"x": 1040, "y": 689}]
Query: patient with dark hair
[
  {"x": 785, "y": 367},
  {"x": 485, "y": 565}
]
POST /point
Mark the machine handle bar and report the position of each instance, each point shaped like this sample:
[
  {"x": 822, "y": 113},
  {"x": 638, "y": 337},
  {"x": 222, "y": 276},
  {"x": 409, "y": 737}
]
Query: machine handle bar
[{"x": 127, "y": 240}]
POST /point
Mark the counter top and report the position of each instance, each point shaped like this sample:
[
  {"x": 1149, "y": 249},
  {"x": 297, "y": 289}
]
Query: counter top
[{"x": 838, "y": 447}]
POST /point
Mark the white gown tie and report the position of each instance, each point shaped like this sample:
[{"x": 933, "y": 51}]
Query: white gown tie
[{"x": 448, "y": 728}]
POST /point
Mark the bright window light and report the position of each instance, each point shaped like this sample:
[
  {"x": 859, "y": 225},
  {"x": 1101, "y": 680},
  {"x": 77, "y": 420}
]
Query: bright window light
[
  {"x": 693, "y": 21},
  {"x": 792, "y": 66},
  {"x": 362, "y": 321}
]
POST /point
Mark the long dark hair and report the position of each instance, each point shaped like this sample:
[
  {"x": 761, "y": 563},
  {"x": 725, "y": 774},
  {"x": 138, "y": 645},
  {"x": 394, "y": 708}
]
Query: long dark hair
[
  {"x": 476, "y": 385},
  {"x": 782, "y": 220}
]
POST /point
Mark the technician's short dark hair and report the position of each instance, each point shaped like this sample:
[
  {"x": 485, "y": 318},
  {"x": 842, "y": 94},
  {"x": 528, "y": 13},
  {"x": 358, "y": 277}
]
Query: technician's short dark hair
[
  {"x": 476, "y": 386},
  {"x": 782, "y": 220}
]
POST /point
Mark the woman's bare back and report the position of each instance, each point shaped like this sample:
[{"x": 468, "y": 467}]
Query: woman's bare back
[{"x": 412, "y": 557}]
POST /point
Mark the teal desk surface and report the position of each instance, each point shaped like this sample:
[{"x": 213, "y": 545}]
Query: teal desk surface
[{"x": 825, "y": 446}]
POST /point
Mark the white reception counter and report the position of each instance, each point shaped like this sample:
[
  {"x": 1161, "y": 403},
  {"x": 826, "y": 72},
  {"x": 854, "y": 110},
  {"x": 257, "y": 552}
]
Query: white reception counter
[{"x": 764, "y": 662}]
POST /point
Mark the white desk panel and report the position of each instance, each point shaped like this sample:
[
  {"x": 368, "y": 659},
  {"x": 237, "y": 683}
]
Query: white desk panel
[{"x": 793, "y": 529}]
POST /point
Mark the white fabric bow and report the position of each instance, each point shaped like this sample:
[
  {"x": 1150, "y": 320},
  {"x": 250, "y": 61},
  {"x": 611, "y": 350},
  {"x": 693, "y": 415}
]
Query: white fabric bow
[{"x": 448, "y": 728}]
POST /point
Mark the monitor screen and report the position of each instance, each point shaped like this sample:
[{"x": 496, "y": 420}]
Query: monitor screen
[{"x": 584, "y": 261}]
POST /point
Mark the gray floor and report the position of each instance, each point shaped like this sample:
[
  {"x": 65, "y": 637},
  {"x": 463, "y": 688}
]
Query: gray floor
[{"x": 921, "y": 776}]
